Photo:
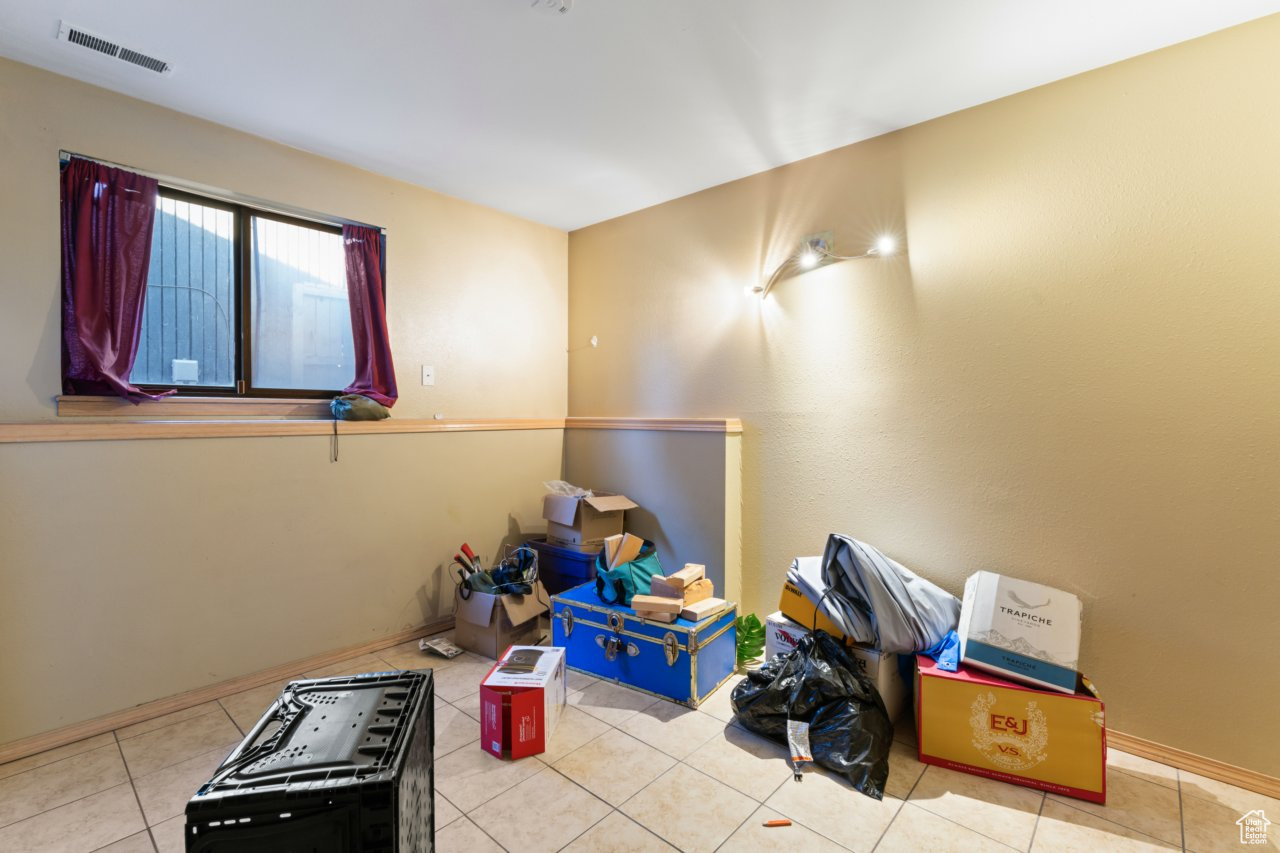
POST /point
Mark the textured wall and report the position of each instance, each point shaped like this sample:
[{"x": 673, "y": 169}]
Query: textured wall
[
  {"x": 1072, "y": 377},
  {"x": 687, "y": 485},
  {"x": 135, "y": 570}
]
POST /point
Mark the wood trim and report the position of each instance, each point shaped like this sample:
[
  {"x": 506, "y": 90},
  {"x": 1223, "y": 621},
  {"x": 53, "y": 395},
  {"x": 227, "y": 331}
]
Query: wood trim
[
  {"x": 209, "y": 408},
  {"x": 269, "y": 426},
  {"x": 730, "y": 426},
  {"x": 131, "y": 430},
  {"x": 1250, "y": 780},
  {"x": 150, "y": 710}
]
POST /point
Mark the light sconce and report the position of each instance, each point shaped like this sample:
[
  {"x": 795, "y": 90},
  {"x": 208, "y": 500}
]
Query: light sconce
[{"x": 815, "y": 251}]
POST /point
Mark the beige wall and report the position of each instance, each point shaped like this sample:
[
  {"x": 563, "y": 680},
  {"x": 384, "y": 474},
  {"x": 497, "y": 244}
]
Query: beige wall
[
  {"x": 1073, "y": 376},
  {"x": 134, "y": 570}
]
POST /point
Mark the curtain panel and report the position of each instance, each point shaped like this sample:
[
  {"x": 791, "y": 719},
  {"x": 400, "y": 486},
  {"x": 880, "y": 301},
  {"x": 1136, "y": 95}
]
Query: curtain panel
[
  {"x": 375, "y": 373},
  {"x": 107, "y": 217}
]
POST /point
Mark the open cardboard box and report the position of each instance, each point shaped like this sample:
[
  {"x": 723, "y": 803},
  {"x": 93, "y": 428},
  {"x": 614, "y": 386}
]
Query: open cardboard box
[
  {"x": 487, "y": 624},
  {"x": 584, "y": 523}
]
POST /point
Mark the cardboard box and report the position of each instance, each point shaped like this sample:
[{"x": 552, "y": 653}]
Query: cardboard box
[
  {"x": 487, "y": 624},
  {"x": 799, "y": 609},
  {"x": 583, "y": 523},
  {"x": 1021, "y": 630},
  {"x": 977, "y": 723},
  {"x": 781, "y": 635},
  {"x": 521, "y": 700}
]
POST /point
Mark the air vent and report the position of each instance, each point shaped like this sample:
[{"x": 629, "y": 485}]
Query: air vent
[{"x": 71, "y": 34}]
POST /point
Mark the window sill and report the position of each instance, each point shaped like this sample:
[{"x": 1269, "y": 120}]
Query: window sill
[
  {"x": 110, "y": 419},
  {"x": 178, "y": 407}
]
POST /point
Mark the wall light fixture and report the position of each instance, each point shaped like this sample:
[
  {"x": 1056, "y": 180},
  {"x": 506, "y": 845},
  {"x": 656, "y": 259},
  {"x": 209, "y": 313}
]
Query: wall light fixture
[{"x": 816, "y": 251}]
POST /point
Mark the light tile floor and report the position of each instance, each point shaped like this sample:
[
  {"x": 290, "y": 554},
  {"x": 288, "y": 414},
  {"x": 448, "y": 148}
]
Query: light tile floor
[{"x": 624, "y": 772}]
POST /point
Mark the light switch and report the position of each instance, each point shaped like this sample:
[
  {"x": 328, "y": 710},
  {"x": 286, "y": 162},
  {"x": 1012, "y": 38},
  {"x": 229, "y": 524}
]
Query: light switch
[{"x": 428, "y": 375}]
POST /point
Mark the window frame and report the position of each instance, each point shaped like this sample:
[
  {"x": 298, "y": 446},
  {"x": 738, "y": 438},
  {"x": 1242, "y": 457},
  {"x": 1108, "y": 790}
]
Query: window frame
[{"x": 242, "y": 260}]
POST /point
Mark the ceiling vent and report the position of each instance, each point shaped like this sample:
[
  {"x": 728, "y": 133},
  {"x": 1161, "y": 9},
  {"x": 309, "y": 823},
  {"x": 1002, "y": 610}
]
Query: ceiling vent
[{"x": 71, "y": 34}]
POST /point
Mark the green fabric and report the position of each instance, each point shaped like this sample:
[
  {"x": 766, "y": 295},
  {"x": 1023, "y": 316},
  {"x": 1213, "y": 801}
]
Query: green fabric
[
  {"x": 357, "y": 407},
  {"x": 618, "y": 585}
]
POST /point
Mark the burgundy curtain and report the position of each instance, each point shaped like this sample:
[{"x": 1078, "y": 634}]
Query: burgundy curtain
[
  {"x": 375, "y": 374},
  {"x": 107, "y": 216}
]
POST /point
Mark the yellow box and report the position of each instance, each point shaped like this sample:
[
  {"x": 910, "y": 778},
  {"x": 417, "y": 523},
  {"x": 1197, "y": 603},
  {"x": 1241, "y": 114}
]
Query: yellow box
[
  {"x": 977, "y": 723},
  {"x": 799, "y": 609}
]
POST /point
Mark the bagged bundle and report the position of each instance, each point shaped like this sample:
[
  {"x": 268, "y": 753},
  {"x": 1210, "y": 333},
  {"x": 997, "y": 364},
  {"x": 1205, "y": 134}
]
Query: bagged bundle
[
  {"x": 815, "y": 700},
  {"x": 874, "y": 600}
]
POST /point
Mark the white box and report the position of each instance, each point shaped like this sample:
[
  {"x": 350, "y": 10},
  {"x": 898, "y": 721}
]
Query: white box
[
  {"x": 781, "y": 635},
  {"x": 521, "y": 700},
  {"x": 1021, "y": 630}
]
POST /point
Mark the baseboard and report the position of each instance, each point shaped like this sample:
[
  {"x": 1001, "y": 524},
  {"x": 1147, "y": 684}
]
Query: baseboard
[
  {"x": 149, "y": 710},
  {"x": 1250, "y": 780}
]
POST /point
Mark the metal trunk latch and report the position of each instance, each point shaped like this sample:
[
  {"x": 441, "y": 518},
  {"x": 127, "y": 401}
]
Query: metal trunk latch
[
  {"x": 615, "y": 623},
  {"x": 671, "y": 648},
  {"x": 566, "y": 619},
  {"x": 613, "y": 645}
]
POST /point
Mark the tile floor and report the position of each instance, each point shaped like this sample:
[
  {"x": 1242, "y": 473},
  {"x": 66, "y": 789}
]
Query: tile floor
[{"x": 624, "y": 772}]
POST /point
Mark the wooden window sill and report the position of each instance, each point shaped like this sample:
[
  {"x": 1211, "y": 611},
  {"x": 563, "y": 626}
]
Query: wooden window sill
[
  {"x": 178, "y": 407},
  {"x": 112, "y": 419}
]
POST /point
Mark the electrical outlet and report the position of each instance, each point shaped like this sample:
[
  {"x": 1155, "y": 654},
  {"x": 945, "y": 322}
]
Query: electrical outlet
[{"x": 428, "y": 375}]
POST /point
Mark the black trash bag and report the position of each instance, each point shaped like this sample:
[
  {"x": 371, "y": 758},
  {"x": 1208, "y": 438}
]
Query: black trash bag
[{"x": 819, "y": 683}]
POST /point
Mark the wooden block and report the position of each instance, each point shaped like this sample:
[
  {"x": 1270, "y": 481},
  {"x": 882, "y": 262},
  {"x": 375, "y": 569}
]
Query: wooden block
[
  {"x": 663, "y": 588},
  {"x": 690, "y": 573},
  {"x": 628, "y": 550},
  {"x": 656, "y": 604},
  {"x": 611, "y": 544},
  {"x": 702, "y": 609},
  {"x": 698, "y": 591},
  {"x": 657, "y": 617}
]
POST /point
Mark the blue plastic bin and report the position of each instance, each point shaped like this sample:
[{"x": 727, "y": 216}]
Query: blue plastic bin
[{"x": 562, "y": 568}]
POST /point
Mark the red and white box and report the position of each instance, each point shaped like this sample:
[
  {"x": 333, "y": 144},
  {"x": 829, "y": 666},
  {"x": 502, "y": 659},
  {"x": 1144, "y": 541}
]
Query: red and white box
[{"x": 521, "y": 700}]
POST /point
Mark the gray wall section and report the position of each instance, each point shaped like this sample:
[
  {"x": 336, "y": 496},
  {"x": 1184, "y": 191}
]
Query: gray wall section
[{"x": 679, "y": 481}]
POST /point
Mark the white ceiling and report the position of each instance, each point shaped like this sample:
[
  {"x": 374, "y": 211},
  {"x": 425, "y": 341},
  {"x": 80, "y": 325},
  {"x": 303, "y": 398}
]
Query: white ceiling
[{"x": 569, "y": 119}]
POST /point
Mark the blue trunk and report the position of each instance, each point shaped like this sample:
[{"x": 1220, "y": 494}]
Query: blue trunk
[{"x": 685, "y": 661}]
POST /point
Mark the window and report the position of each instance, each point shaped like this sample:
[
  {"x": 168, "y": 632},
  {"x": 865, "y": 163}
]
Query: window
[{"x": 243, "y": 302}]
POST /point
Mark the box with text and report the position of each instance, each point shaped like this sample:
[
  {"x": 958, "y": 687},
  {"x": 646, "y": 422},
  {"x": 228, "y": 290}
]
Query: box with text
[{"x": 521, "y": 700}]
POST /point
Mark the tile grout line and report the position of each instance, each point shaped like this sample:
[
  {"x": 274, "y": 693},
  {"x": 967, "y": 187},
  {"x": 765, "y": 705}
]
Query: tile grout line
[
  {"x": 231, "y": 718},
  {"x": 468, "y": 819},
  {"x": 765, "y": 804},
  {"x": 1063, "y": 802},
  {"x": 56, "y": 761},
  {"x": 970, "y": 828},
  {"x": 905, "y": 799},
  {"x": 214, "y": 710},
  {"x": 1044, "y": 798},
  {"x": 545, "y": 766},
  {"x": 1182, "y": 819},
  {"x": 612, "y": 807},
  {"x": 134, "y": 788},
  {"x": 180, "y": 760},
  {"x": 70, "y": 803}
]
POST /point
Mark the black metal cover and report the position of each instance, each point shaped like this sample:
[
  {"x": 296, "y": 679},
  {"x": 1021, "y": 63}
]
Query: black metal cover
[{"x": 335, "y": 764}]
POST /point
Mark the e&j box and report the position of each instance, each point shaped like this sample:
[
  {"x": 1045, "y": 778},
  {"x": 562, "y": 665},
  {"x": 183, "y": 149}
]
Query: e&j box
[{"x": 977, "y": 723}]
